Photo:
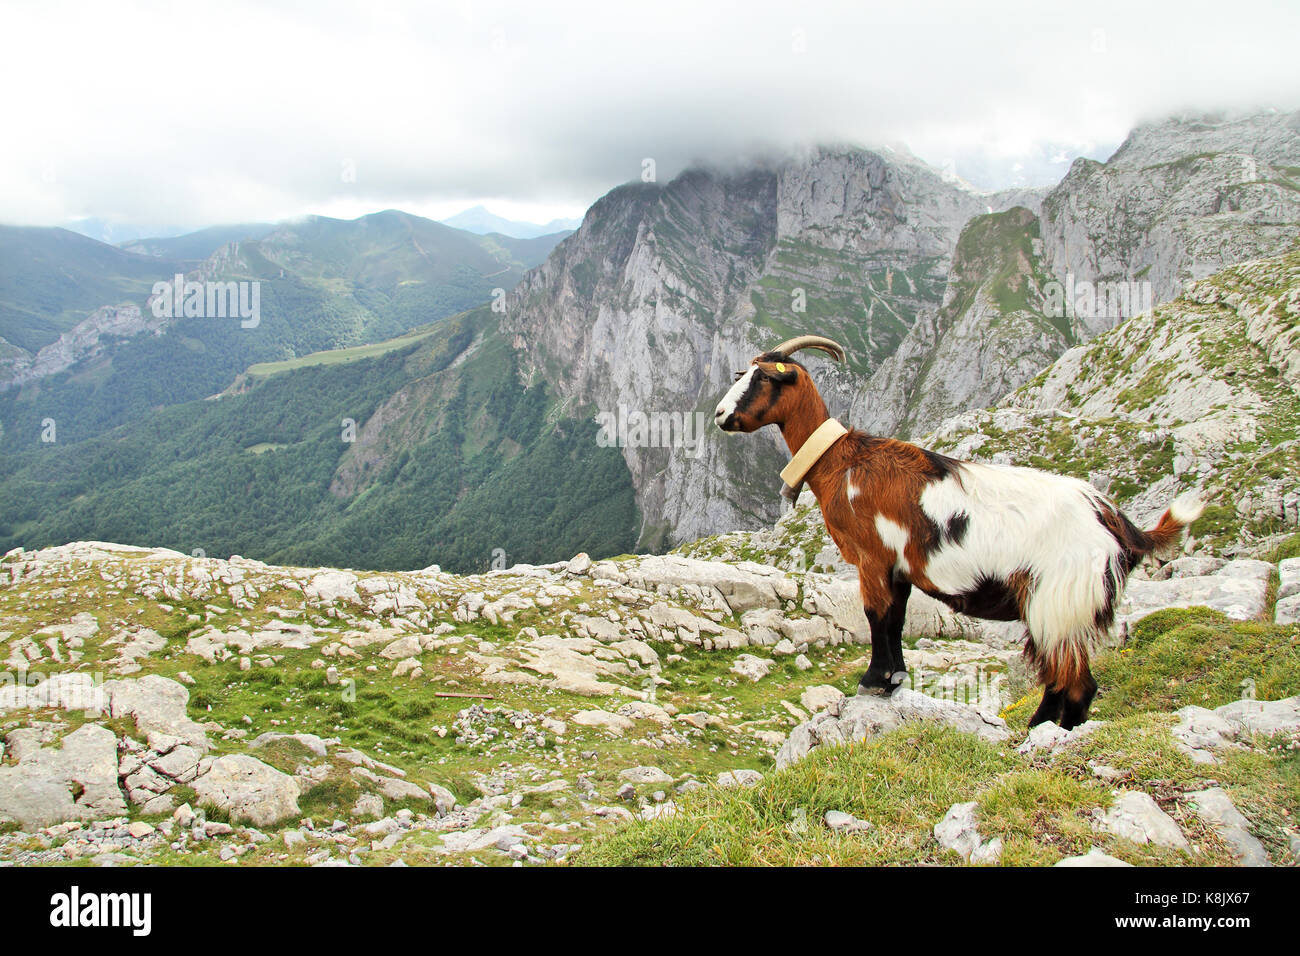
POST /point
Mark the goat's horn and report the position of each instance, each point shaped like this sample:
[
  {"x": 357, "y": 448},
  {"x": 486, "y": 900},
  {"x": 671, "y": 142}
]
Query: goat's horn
[{"x": 821, "y": 343}]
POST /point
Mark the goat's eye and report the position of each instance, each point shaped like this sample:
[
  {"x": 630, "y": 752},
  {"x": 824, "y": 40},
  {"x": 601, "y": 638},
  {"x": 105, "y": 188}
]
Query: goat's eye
[{"x": 738, "y": 376}]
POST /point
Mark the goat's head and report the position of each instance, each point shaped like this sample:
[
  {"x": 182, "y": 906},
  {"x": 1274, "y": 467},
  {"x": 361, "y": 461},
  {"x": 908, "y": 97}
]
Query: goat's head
[{"x": 773, "y": 386}]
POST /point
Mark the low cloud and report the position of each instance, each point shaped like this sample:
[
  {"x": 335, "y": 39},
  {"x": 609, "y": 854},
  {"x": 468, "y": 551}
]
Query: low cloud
[{"x": 199, "y": 113}]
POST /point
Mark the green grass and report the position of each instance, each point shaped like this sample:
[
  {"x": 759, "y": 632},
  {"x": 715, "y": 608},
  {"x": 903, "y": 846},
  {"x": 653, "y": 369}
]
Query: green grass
[
  {"x": 1196, "y": 656},
  {"x": 902, "y": 783},
  {"x": 1288, "y": 548}
]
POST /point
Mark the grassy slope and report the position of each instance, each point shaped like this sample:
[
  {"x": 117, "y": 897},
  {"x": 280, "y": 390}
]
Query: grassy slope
[
  {"x": 51, "y": 279},
  {"x": 903, "y": 782}
]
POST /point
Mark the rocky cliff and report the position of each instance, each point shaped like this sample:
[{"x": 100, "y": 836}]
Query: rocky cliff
[
  {"x": 1178, "y": 201},
  {"x": 666, "y": 290},
  {"x": 994, "y": 330}
]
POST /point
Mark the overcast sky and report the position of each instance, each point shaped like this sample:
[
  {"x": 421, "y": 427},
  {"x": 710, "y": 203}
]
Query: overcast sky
[{"x": 197, "y": 113}]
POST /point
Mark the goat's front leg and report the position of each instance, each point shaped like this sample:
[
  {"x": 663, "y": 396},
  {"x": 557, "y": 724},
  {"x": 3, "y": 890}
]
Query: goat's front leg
[{"x": 887, "y": 669}]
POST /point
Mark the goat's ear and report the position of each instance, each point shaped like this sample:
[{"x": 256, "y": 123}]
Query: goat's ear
[{"x": 782, "y": 372}]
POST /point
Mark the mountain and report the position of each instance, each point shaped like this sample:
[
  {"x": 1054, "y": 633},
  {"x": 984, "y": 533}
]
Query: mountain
[
  {"x": 993, "y": 331},
  {"x": 478, "y": 220},
  {"x": 323, "y": 284},
  {"x": 51, "y": 279},
  {"x": 1179, "y": 200},
  {"x": 194, "y": 246},
  {"x": 418, "y": 451}
]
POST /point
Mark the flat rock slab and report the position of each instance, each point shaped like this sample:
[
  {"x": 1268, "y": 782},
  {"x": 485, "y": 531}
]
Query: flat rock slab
[
  {"x": 1201, "y": 731},
  {"x": 1287, "y": 610},
  {"x": 76, "y": 780},
  {"x": 1263, "y": 716},
  {"x": 1288, "y": 574},
  {"x": 1238, "y": 591},
  {"x": 742, "y": 585},
  {"x": 866, "y": 716}
]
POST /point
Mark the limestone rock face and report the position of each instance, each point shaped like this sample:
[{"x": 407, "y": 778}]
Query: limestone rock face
[
  {"x": 1197, "y": 194},
  {"x": 994, "y": 331},
  {"x": 77, "y": 780},
  {"x": 82, "y": 341}
]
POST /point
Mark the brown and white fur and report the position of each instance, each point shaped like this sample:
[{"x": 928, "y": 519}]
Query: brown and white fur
[{"x": 994, "y": 542}]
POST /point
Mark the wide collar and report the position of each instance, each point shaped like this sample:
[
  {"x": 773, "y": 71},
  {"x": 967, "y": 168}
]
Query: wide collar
[{"x": 809, "y": 453}]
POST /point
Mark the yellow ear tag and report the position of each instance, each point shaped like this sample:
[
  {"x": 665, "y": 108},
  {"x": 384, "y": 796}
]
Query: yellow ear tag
[{"x": 780, "y": 366}]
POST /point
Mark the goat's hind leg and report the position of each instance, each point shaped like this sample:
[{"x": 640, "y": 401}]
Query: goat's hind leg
[
  {"x": 1068, "y": 687},
  {"x": 1050, "y": 708},
  {"x": 1077, "y": 698}
]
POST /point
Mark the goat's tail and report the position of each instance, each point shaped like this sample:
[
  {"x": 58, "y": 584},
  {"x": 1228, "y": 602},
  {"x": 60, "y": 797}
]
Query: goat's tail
[{"x": 1169, "y": 529}]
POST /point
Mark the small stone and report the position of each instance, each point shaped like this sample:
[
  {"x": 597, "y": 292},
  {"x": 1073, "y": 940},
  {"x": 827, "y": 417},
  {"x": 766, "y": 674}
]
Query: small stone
[
  {"x": 819, "y": 697},
  {"x": 645, "y": 775},
  {"x": 842, "y": 822},
  {"x": 1217, "y": 809},
  {"x": 752, "y": 668},
  {"x": 739, "y": 778}
]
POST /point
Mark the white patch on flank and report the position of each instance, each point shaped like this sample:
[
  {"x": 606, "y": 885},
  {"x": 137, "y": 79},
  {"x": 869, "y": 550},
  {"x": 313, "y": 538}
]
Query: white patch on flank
[
  {"x": 1019, "y": 519},
  {"x": 895, "y": 538},
  {"x": 728, "y": 404},
  {"x": 849, "y": 491}
]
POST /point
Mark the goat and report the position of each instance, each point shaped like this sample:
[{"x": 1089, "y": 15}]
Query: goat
[{"x": 994, "y": 542}]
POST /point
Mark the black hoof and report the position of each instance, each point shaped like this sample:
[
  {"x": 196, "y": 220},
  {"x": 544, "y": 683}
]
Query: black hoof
[{"x": 881, "y": 683}]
